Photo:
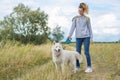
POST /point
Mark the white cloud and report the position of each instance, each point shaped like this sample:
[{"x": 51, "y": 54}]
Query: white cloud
[
  {"x": 55, "y": 18},
  {"x": 60, "y": 16},
  {"x": 7, "y": 6},
  {"x": 104, "y": 14},
  {"x": 107, "y": 24}
]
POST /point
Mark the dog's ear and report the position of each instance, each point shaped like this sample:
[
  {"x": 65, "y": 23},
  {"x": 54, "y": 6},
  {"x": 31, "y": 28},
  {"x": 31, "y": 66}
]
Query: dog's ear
[
  {"x": 59, "y": 42},
  {"x": 54, "y": 42}
]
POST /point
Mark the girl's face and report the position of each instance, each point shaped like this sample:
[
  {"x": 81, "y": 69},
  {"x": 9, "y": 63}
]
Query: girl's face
[{"x": 81, "y": 11}]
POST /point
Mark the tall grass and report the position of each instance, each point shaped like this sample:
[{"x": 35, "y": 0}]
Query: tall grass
[
  {"x": 30, "y": 62},
  {"x": 17, "y": 60}
]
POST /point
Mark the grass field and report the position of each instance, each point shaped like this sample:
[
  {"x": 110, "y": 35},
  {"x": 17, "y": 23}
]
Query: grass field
[{"x": 30, "y": 62}]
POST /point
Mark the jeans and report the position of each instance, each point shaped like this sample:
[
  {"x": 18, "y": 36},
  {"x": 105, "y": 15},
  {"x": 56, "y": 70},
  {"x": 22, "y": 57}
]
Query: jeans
[{"x": 86, "y": 41}]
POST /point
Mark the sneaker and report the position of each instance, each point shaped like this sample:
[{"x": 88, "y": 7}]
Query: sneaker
[
  {"x": 77, "y": 69},
  {"x": 88, "y": 70}
]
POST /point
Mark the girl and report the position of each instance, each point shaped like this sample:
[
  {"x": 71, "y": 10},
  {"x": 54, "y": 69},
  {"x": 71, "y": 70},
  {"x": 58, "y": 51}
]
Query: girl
[{"x": 83, "y": 33}]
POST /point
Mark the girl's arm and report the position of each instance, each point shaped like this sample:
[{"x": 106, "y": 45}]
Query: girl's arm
[
  {"x": 72, "y": 27},
  {"x": 90, "y": 29}
]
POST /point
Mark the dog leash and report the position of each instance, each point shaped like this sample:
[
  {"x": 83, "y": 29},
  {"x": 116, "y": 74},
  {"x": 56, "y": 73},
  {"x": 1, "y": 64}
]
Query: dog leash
[{"x": 68, "y": 41}]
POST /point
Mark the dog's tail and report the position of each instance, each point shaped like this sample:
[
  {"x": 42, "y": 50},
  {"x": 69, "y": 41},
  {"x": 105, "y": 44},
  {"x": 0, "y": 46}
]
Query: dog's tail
[{"x": 78, "y": 56}]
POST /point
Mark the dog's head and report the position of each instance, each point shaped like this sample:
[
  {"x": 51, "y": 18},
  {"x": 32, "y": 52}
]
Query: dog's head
[{"x": 57, "y": 48}]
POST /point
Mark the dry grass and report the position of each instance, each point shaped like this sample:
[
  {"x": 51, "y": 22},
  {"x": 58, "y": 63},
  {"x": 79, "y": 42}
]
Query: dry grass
[
  {"x": 29, "y": 62},
  {"x": 17, "y": 60}
]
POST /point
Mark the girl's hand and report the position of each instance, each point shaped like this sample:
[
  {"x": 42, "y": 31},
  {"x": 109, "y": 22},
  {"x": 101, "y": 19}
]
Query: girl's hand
[
  {"x": 91, "y": 42},
  {"x": 69, "y": 37}
]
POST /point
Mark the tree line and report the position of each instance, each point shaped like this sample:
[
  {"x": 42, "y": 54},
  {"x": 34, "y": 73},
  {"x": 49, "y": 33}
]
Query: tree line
[{"x": 28, "y": 26}]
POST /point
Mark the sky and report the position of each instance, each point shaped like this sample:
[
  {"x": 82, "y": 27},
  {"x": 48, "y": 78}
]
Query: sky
[{"x": 104, "y": 15}]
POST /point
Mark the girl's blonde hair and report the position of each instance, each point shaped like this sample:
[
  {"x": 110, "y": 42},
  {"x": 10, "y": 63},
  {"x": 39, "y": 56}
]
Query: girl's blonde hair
[{"x": 85, "y": 7}]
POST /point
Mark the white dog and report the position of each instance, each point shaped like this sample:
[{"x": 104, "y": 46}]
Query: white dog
[{"x": 61, "y": 57}]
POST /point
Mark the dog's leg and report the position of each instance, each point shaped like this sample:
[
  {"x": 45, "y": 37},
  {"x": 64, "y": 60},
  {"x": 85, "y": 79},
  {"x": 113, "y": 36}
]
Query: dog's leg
[
  {"x": 69, "y": 66},
  {"x": 74, "y": 65},
  {"x": 56, "y": 67},
  {"x": 75, "y": 68},
  {"x": 62, "y": 65}
]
